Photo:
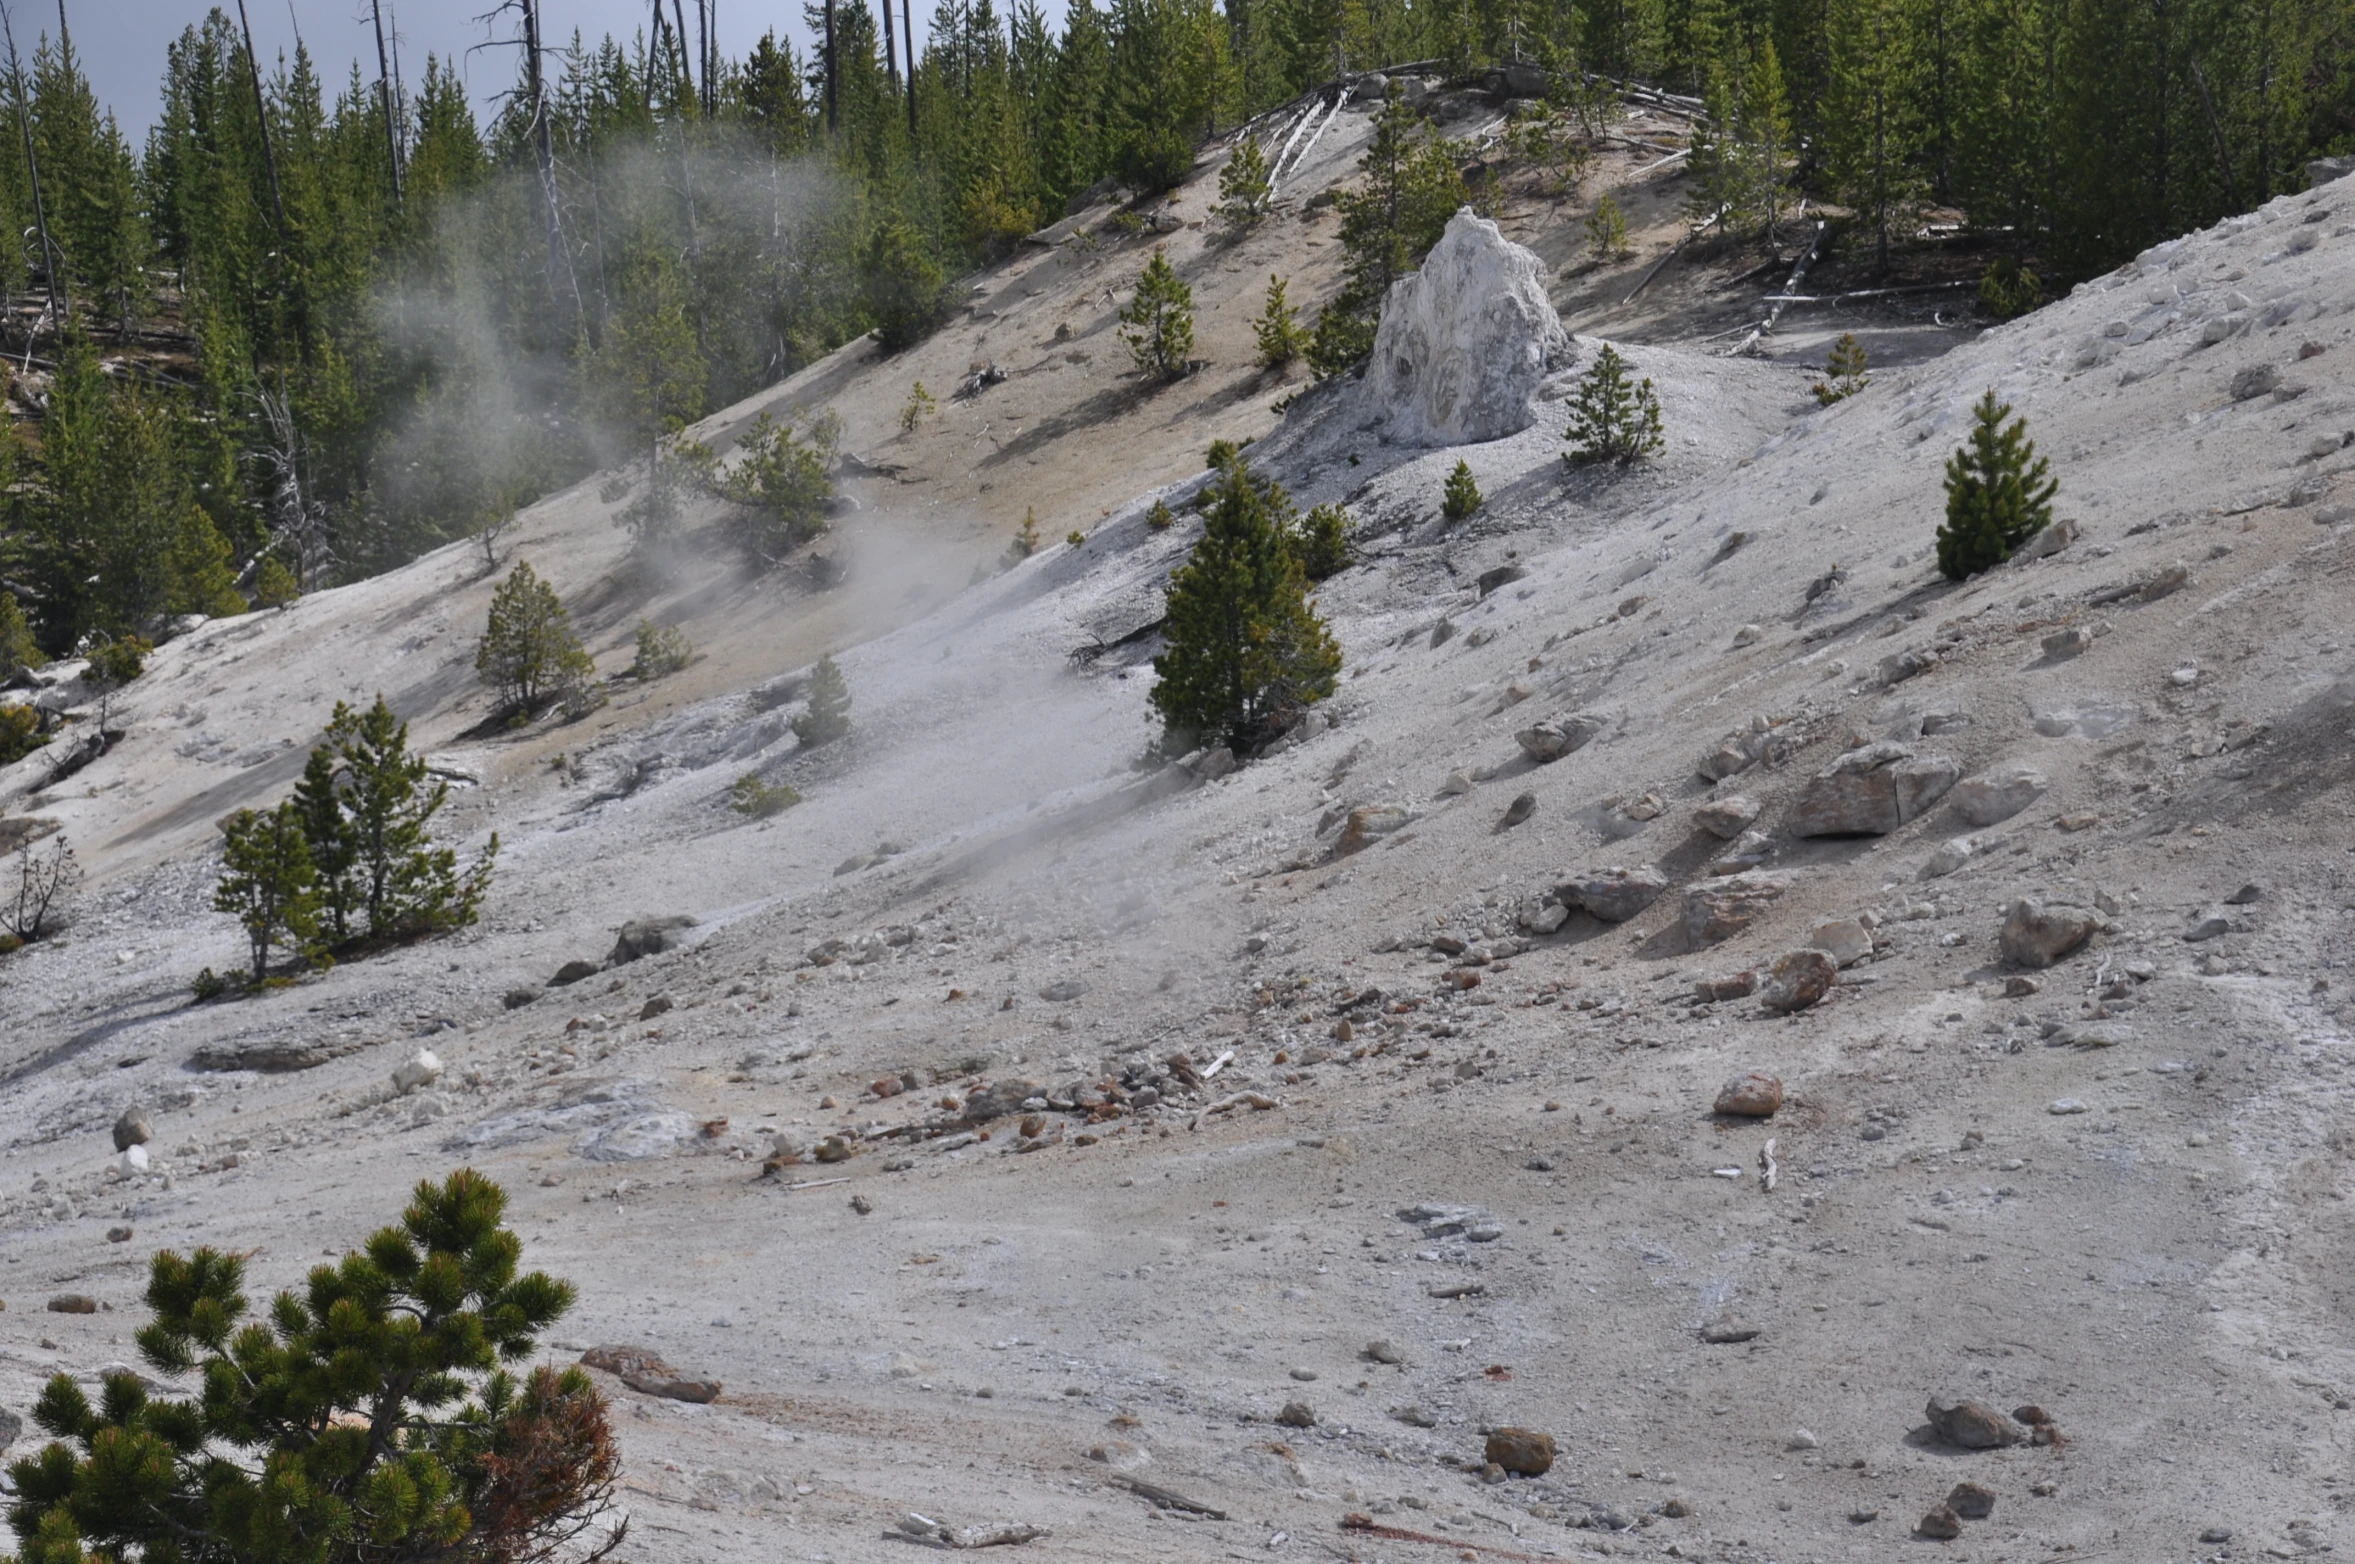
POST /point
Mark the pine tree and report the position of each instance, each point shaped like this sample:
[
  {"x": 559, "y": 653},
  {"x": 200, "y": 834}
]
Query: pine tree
[
  {"x": 1162, "y": 87},
  {"x": 267, "y": 882},
  {"x": 327, "y": 836},
  {"x": 18, "y": 650},
  {"x": 1026, "y": 538},
  {"x": 369, "y": 1415},
  {"x": 829, "y": 715},
  {"x": 1844, "y": 371},
  {"x": 904, "y": 292},
  {"x": 1613, "y": 419},
  {"x": 382, "y": 844},
  {"x": 1277, "y": 330},
  {"x": 1247, "y": 652},
  {"x": 777, "y": 491},
  {"x": 917, "y": 408},
  {"x": 1462, "y": 495},
  {"x": 1606, "y": 229},
  {"x": 528, "y": 654},
  {"x": 1871, "y": 116},
  {"x": 202, "y": 581},
  {"x": 1243, "y": 188},
  {"x": 1412, "y": 188},
  {"x": 1323, "y": 542},
  {"x": 1160, "y": 517},
  {"x": 274, "y": 585},
  {"x": 1997, "y": 493},
  {"x": 662, "y": 650},
  {"x": 1158, "y": 323}
]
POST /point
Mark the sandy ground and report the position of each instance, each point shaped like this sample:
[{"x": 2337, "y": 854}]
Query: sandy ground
[{"x": 1015, "y": 1327}]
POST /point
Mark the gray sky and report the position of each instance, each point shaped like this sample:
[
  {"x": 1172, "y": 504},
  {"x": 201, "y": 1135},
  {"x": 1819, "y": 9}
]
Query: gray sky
[{"x": 122, "y": 41}]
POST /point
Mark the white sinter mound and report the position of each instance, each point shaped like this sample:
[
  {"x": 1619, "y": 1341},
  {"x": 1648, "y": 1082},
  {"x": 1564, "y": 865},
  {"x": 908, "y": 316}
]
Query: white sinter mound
[{"x": 1466, "y": 341}]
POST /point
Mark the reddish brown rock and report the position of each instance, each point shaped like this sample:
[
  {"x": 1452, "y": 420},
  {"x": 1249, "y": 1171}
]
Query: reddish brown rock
[
  {"x": 1799, "y": 979},
  {"x": 1522, "y": 1451},
  {"x": 1752, "y": 1096}
]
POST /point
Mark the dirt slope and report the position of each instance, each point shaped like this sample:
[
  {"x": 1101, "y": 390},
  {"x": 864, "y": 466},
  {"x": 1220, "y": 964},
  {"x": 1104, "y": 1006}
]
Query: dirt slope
[{"x": 2119, "y": 1197}]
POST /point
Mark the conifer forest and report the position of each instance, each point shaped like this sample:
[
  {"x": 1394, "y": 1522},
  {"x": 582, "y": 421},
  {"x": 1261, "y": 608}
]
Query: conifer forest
[{"x": 328, "y": 316}]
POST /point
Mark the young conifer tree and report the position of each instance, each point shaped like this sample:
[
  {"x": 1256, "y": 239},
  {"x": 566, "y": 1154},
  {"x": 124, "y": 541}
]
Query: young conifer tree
[
  {"x": 1613, "y": 418},
  {"x": 829, "y": 715},
  {"x": 1243, "y": 187},
  {"x": 1462, "y": 495},
  {"x": 1277, "y": 329},
  {"x": 529, "y": 654},
  {"x": 1158, "y": 324},
  {"x": 267, "y": 882},
  {"x": 1998, "y": 495},
  {"x": 1247, "y": 651}
]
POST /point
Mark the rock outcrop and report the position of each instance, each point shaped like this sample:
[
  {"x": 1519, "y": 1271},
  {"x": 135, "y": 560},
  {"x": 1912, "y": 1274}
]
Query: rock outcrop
[
  {"x": 1465, "y": 342},
  {"x": 1871, "y": 791}
]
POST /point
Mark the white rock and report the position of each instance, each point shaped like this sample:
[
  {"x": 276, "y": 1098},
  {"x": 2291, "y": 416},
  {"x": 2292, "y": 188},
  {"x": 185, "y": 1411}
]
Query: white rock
[
  {"x": 133, "y": 1162},
  {"x": 423, "y": 1069},
  {"x": 1997, "y": 795},
  {"x": 1842, "y": 939},
  {"x": 1464, "y": 342},
  {"x": 1949, "y": 857}
]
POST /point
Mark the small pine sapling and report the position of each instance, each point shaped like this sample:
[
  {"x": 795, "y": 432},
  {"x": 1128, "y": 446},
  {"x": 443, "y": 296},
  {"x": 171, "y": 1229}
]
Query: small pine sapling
[
  {"x": 1244, "y": 190},
  {"x": 1160, "y": 518},
  {"x": 274, "y": 585},
  {"x": 2009, "y": 290},
  {"x": 1606, "y": 229},
  {"x": 1026, "y": 537},
  {"x": 918, "y": 407},
  {"x": 662, "y": 650},
  {"x": 18, "y": 650},
  {"x": 528, "y": 654},
  {"x": 268, "y": 884},
  {"x": 1158, "y": 323},
  {"x": 829, "y": 715},
  {"x": 1998, "y": 494},
  {"x": 20, "y": 732},
  {"x": 758, "y": 800},
  {"x": 1844, "y": 373},
  {"x": 121, "y": 659},
  {"x": 1075, "y": 537},
  {"x": 1278, "y": 330},
  {"x": 1613, "y": 418},
  {"x": 1324, "y": 542},
  {"x": 1462, "y": 495}
]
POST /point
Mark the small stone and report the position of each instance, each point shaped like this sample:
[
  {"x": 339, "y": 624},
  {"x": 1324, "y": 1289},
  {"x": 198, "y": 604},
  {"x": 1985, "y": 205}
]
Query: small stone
[
  {"x": 862, "y": 1205},
  {"x": 1802, "y": 1439},
  {"x": 118, "y": 1235},
  {"x": 1727, "y": 1330},
  {"x": 574, "y": 972},
  {"x": 1799, "y": 979},
  {"x": 1304, "y": 1375},
  {"x": 1722, "y": 908},
  {"x": 1998, "y": 795},
  {"x": 1947, "y": 857},
  {"x": 1414, "y": 1417},
  {"x": 2245, "y": 895},
  {"x": 421, "y": 1069},
  {"x": 1753, "y": 1096},
  {"x": 2216, "y": 1535},
  {"x": 1972, "y": 1425},
  {"x": 73, "y": 1303},
  {"x": 1458, "y": 782},
  {"x": 517, "y": 998},
  {"x": 2017, "y": 987},
  {"x": 1748, "y": 635},
  {"x": 1972, "y": 1501},
  {"x": 1728, "y": 817},
  {"x": 1521, "y": 1451},
  {"x": 1842, "y": 939},
  {"x": 2064, "y": 1106},
  {"x": 132, "y": 1163},
  {"x": 1940, "y": 1525},
  {"x": 1649, "y": 807},
  {"x": 1518, "y": 810},
  {"x": 1546, "y": 742},
  {"x": 1738, "y": 985},
  {"x": 2036, "y": 934},
  {"x": 1385, "y": 1351},
  {"x": 1676, "y": 1510},
  {"x": 2064, "y": 644},
  {"x": 132, "y": 1129},
  {"x": 1615, "y": 894},
  {"x": 1862, "y": 1516},
  {"x": 1366, "y": 822},
  {"x": 2255, "y": 381},
  {"x": 2208, "y": 928},
  {"x": 2075, "y": 823},
  {"x": 659, "y": 1005},
  {"x": 1296, "y": 1415},
  {"x": 1871, "y": 791}
]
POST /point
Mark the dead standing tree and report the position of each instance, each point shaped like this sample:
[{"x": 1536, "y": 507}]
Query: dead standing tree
[{"x": 563, "y": 287}]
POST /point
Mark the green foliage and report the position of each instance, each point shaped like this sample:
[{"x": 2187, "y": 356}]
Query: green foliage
[
  {"x": 758, "y": 800},
  {"x": 18, "y": 650},
  {"x": 1612, "y": 418},
  {"x": 1158, "y": 322},
  {"x": 662, "y": 650},
  {"x": 274, "y": 585},
  {"x": 903, "y": 291},
  {"x": 1742, "y": 148},
  {"x": 1844, "y": 371},
  {"x": 1243, "y": 188},
  {"x": 1606, "y": 229},
  {"x": 1160, "y": 94},
  {"x": 366, "y": 805},
  {"x": 202, "y": 581},
  {"x": 2009, "y": 290},
  {"x": 120, "y": 660},
  {"x": 828, "y": 717},
  {"x": 1462, "y": 495},
  {"x": 1343, "y": 338},
  {"x": 1279, "y": 334},
  {"x": 1160, "y": 518},
  {"x": 778, "y": 489},
  {"x": 1550, "y": 139},
  {"x": 916, "y": 409},
  {"x": 20, "y": 733},
  {"x": 370, "y": 1415},
  {"x": 528, "y": 654},
  {"x": 1075, "y": 537},
  {"x": 209, "y": 985},
  {"x": 1026, "y": 538},
  {"x": 1872, "y": 116},
  {"x": 1323, "y": 542},
  {"x": 1247, "y": 652},
  {"x": 268, "y": 883},
  {"x": 1998, "y": 494}
]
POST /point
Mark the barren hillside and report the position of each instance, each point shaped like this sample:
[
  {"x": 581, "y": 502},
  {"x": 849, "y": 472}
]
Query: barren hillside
[{"x": 1317, "y": 1082}]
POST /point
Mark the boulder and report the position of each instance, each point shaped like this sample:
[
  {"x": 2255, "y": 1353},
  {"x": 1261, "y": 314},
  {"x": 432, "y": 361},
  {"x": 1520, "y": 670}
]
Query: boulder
[
  {"x": 1746, "y": 851},
  {"x": 73, "y": 1303},
  {"x": 1615, "y": 894},
  {"x": 573, "y": 972},
  {"x": 1940, "y": 1525},
  {"x": 1549, "y": 741},
  {"x": 1871, "y": 791},
  {"x": 1724, "y": 907},
  {"x": 1727, "y": 759},
  {"x": 1843, "y": 939},
  {"x": 1948, "y": 857},
  {"x": 1971, "y": 1425},
  {"x": 1728, "y": 817},
  {"x": 1997, "y": 795},
  {"x": 1366, "y": 822},
  {"x": 422, "y": 1068},
  {"x": 1972, "y": 1501},
  {"x": 1522, "y": 1451},
  {"x": 1799, "y": 979},
  {"x": 132, "y": 1129},
  {"x": 1753, "y": 1096},
  {"x": 1465, "y": 341},
  {"x": 642, "y": 937},
  {"x": 2037, "y": 934}
]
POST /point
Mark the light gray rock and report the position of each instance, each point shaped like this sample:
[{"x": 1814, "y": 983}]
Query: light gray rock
[
  {"x": 1871, "y": 791},
  {"x": 2208, "y": 928},
  {"x": 1549, "y": 741},
  {"x": 1727, "y": 817},
  {"x": 1465, "y": 341},
  {"x": 1843, "y": 939},
  {"x": 2062, "y": 644},
  {"x": 1746, "y": 851},
  {"x": 2037, "y": 934},
  {"x": 642, "y": 937},
  {"x": 1998, "y": 795},
  {"x": 2255, "y": 381},
  {"x": 1615, "y": 894},
  {"x": 1948, "y": 857}
]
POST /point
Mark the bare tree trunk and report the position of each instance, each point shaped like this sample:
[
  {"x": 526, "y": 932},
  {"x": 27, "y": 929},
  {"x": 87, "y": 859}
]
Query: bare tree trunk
[
  {"x": 261, "y": 109},
  {"x": 907, "y": 25},
  {"x": 890, "y": 51},
  {"x": 49, "y": 255},
  {"x": 2199, "y": 79},
  {"x": 384, "y": 92},
  {"x": 833, "y": 96}
]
